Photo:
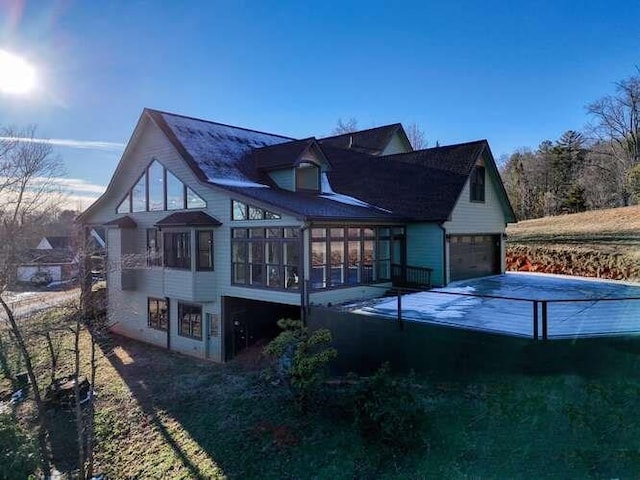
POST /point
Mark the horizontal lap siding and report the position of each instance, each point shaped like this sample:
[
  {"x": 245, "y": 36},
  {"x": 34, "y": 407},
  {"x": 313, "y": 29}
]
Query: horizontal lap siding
[
  {"x": 478, "y": 217},
  {"x": 425, "y": 248}
]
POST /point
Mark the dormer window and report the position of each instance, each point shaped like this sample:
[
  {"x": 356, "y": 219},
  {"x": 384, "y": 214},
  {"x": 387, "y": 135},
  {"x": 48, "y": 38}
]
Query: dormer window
[
  {"x": 477, "y": 184},
  {"x": 308, "y": 177}
]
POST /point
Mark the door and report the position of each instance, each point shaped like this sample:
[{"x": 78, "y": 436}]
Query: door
[{"x": 473, "y": 256}]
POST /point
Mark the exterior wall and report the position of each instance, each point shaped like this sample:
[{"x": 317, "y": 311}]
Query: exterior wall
[
  {"x": 26, "y": 272},
  {"x": 127, "y": 254},
  {"x": 485, "y": 217},
  {"x": 425, "y": 248},
  {"x": 396, "y": 145},
  {"x": 284, "y": 178}
]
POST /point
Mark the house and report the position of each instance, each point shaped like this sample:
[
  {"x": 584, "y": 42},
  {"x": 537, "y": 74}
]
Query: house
[
  {"x": 215, "y": 231},
  {"x": 53, "y": 260}
]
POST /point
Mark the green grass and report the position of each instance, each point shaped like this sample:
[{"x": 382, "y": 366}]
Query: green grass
[{"x": 569, "y": 410}]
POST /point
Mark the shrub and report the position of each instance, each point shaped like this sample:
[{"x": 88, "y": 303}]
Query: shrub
[
  {"x": 388, "y": 411},
  {"x": 18, "y": 452},
  {"x": 301, "y": 359}
]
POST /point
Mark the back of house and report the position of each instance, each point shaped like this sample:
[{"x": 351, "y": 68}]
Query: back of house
[{"x": 214, "y": 232}]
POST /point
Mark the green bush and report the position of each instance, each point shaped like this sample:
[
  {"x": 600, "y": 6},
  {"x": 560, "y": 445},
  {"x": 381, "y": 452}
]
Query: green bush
[
  {"x": 388, "y": 411},
  {"x": 18, "y": 452},
  {"x": 301, "y": 359}
]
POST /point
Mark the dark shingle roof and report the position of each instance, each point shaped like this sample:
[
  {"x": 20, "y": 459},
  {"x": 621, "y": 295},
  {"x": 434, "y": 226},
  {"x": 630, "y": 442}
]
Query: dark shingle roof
[
  {"x": 59, "y": 241},
  {"x": 189, "y": 219},
  {"x": 46, "y": 257},
  {"x": 122, "y": 222},
  {"x": 372, "y": 141},
  {"x": 281, "y": 155},
  {"x": 422, "y": 185}
]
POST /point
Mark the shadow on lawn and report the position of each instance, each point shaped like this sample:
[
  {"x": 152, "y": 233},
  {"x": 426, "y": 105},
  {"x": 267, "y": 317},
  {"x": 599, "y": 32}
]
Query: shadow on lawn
[{"x": 146, "y": 365}]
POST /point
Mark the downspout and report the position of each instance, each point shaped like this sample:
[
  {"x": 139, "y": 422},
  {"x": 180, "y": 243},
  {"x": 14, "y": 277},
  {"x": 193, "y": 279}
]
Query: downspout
[
  {"x": 444, "y": 255},
  {"x": 168, "y": 322},
  {"x": 302, "y": 277}
]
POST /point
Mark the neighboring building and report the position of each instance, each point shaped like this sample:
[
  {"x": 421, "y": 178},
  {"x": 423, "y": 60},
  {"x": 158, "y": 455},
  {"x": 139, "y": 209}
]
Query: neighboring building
[
  {"x": 214, "y": 231},
  {"x": 53, "y": 260}
]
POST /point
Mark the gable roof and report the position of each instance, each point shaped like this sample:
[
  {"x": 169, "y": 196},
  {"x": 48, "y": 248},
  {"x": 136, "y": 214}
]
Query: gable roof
[
  {"x": 421, "y": 185},
  {"x": 59, "y": 241},
  {"x": 363, "y": 185},
  {"x": 217, "y": 153},
  {"x": 372, "y": 140}
]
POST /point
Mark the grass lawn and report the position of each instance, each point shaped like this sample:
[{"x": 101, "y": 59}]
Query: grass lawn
[
  {"x": 164, "y": 415},
  {"x": 615, "y": 230}
]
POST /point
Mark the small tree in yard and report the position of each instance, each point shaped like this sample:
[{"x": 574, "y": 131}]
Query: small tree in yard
[
  {"x": 301, "y": 359},
  {"x": 389, "y": 412}
]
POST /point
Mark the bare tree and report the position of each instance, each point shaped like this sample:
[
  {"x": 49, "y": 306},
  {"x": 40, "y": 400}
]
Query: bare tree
[
  {"x": 416, "y": 137},
  {"x": 346, "y": 126},
  {"x": 616, "y": 127},
  {"x": 28, "y": 192}
]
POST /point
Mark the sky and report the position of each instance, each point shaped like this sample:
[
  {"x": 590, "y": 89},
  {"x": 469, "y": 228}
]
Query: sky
[{"x": 515, "y": 73}]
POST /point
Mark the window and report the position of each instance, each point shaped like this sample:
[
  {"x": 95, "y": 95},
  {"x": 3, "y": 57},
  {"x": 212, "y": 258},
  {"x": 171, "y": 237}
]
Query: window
[
  {"x": 477, "y": 184},
  {"x": 156, "y": 186},
  {"x": 125, "y": 205},
  {"x": 139, "y": 195},
  {"x": 175, "y": 192},
  {"x": 353, "y": 256},
  {"x": 177, "y": 250},
  {"x": 190, "y": 320},
  {"x": 159, "y": 189},
  {"x": 265, "y": 257},
  {"x": 242, "y": 211},
  {"x": 205, "y": 250},
  {"x": 154, "y": 259},
  {"x": 308, "y": 177},
  {"x": 158, "y": 313}
]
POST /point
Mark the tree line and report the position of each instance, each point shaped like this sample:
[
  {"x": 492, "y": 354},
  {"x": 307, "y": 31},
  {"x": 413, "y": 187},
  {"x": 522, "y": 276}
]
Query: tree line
[{"x": 598, "y": 167}]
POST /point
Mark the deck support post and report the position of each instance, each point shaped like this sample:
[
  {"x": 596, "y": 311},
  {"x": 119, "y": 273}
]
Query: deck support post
[
  {"x": 400, "y": 309},
  {"x": 545, "y": 333},
  {"x": 535, "y": 320}
]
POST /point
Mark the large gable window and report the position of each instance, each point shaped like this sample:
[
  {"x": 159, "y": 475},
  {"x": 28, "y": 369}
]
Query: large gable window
[
  {"x": 159, "y": 189},
  {"x": 308, "y": 177},
  {"x": 477, "y": 183}
]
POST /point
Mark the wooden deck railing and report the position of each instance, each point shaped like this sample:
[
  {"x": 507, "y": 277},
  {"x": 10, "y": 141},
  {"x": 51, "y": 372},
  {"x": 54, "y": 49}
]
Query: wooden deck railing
[{"x": 408, "y": 276}]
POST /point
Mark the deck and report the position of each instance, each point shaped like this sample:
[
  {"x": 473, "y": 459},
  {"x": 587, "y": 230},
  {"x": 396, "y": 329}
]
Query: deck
[{"x": 524, "y": 305}]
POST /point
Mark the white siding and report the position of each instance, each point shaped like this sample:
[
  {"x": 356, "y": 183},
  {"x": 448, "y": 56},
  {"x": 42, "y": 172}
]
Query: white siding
[
  {"x": 128, "y": 309},
  {"x": 477, "y": 217},
  {"x": 284, "y": 178}
]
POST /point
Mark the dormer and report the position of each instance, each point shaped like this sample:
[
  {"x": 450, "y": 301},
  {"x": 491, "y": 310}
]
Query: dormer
[{"x": 295, "y": 166}]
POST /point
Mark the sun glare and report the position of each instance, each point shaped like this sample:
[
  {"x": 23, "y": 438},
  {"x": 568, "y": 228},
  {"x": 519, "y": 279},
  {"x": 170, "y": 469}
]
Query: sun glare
[{"x": 17, "y": 77}]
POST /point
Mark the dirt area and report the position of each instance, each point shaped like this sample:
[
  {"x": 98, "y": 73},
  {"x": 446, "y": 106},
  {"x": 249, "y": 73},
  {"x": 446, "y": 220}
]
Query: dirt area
[{"x": 601, "y": 243}]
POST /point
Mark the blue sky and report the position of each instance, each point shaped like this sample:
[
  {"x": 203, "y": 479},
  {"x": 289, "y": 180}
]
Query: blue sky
[{"x": 512, "y": 72}]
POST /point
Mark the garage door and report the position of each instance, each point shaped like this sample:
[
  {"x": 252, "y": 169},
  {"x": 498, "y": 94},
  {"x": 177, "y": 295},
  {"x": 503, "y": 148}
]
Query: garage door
[{"x": 474, "y": 256}]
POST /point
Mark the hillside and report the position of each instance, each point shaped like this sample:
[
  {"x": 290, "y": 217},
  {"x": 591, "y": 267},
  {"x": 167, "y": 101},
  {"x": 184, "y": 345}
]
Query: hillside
[{"x": 599, "y": 243}]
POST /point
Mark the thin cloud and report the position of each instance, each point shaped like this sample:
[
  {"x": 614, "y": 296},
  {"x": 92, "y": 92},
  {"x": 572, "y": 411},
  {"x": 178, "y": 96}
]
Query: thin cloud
[
  {"x": 64, "y": 142},
  {"x": 79, "y": 185}
]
